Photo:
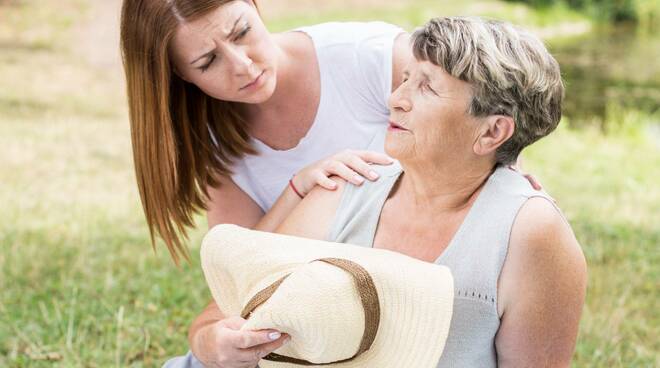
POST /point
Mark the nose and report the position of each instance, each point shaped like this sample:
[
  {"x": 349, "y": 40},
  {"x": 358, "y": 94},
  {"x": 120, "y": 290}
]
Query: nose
[
  {"x": 238, "y": 59},
  {"x": 399, "y": 101}
]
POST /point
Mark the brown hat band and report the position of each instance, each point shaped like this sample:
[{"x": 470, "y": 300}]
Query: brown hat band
[{"x": 368, "y": 295}]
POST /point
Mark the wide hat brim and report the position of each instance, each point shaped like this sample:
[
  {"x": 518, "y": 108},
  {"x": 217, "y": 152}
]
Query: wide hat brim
[{"x": 415, "y": 297}]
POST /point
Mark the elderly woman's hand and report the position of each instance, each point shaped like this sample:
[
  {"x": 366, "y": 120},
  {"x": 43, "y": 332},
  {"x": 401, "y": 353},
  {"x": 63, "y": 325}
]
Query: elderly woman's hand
[
  {"x": 223, "y": 345},
  {"x": 351, "y": 165}
]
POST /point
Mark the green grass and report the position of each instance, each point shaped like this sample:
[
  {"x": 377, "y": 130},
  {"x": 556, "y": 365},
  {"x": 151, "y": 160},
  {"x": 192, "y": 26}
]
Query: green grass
[
  {"x": 607, "y": 187},
  {"x": 80, "y": 285}
]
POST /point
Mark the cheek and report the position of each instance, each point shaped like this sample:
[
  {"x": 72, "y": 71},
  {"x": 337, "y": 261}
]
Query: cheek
[
  {"x": 261, "y": 46},
  {"x": 400, "y": 145},
  {"x": 215, "y": 85},
  {"x": 431, "y": 132},
  {"x": 264, "y": 54}
]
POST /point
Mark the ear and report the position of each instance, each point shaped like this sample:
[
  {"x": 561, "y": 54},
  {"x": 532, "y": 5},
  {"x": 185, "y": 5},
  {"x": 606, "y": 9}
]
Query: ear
[{"x": 494, "y": 131}]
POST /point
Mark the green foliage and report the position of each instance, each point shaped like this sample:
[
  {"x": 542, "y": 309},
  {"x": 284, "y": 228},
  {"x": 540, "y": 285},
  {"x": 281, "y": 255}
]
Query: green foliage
[
  {"x": 413, "y": 14},
  {"x": 644, "y": 11}
]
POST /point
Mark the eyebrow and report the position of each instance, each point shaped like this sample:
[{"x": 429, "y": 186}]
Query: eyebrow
[
  {"x": 231, "y": 33},
  {"x": 426, "y": 77},
  {"x": 203, "y": 56},
  {"x": 233, "y": 28}
]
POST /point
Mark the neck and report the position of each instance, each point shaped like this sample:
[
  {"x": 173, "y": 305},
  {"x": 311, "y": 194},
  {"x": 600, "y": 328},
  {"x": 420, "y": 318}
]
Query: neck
[
  {"x": 440, "y": 189},
  {"x": 288, "y": 61}
]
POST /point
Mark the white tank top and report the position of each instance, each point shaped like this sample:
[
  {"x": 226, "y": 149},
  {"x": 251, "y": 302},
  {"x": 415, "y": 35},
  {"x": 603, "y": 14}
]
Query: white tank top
[{"x": 355, "y": 63}]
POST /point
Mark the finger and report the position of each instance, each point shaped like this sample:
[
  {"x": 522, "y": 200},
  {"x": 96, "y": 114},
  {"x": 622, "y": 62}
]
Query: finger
[
  {"x": 233, "y": 323},
  {"x": 325, "y": 182},
  {"x": 252, "y": 363},
  {"x": 535, "y": 183},
  {"x": 254, "y": 354},
  {"x": 265, "y": 349},
  {"x": 340, "y": 169},
  {"x": 357, "y": 164},
  {"x": 375, "y": 157},
  {"x": 247, "y": 339}
]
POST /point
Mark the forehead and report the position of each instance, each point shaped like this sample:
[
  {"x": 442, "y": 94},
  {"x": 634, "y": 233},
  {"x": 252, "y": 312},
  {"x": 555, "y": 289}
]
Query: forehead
[
  {"x": 437, "y": 76},
  {"x": 195, "y": 34},
  {"x": 426, "y": 69}
]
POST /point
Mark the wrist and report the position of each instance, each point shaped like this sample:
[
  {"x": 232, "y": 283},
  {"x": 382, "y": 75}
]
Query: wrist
[
  {"x": 197, "y": 342},
  {"x": 296, "y": 188}
]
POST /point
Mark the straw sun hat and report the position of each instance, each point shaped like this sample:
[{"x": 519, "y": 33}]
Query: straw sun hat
[{"x": 343, "y": 305}]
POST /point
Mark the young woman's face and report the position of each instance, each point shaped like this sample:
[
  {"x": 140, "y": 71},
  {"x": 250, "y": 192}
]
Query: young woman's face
[{"x": 228, "y": 54}]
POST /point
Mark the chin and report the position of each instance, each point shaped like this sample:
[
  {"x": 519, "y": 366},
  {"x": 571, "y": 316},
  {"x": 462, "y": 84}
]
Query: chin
[
  {"x": 264, "y": 94},
  {"x": 258, "y": 98},
  {"x": 395, "y": 146}
]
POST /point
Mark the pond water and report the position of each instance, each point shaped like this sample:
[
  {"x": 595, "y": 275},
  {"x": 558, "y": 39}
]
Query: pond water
[{"x": 609, "y": 67}]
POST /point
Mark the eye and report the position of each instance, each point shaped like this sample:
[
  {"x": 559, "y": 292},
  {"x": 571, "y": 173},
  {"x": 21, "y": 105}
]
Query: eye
[
  {"x": 427, "y": 86},
  {"x": 205, "y": 67},
  {"x": 243, "y": 32}
]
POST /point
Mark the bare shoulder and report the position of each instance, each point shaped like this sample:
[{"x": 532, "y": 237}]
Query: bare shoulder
[
  {"x": 541, "y": 289},
  {"x": 541, "y": 235},
  {"x": 543, "y": 242},
  {"x": 313, "y": 216}
]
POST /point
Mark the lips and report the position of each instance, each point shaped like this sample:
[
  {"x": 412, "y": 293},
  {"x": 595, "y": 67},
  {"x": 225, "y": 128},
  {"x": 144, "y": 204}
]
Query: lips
[
  {"x": 396, "y": 126},
  {"x": 254, "y": 81}
]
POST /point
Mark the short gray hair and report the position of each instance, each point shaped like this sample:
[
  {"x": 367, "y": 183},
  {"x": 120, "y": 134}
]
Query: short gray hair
[{"x": 510, "y": 71}]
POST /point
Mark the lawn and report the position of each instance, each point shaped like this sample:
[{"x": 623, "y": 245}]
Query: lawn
[{"x": 80, "y": 285}]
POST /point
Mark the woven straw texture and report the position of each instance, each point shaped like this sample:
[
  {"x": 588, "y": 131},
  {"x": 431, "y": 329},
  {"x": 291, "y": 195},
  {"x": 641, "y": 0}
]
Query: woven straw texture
[{"x": 319, "y": 305}]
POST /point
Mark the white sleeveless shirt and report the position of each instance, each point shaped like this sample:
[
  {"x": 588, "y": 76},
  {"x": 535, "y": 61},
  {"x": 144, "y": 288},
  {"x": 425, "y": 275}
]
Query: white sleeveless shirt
[
  {"x": 475, "y": 255},
  {"x": 355, "y": 64}
]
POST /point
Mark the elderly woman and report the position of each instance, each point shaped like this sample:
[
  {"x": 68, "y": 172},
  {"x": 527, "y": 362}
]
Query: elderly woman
[{"x": 476, "y": 94}]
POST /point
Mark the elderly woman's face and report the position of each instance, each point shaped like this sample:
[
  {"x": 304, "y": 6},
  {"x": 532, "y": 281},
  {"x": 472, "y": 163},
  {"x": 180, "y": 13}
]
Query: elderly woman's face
[
  {"x": 429, "y": 116},
  {"x": 228, "y": 54}
]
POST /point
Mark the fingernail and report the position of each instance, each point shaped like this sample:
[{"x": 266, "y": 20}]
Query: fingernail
[
  {"x": 358, "y": 179},
  {"x": 373, "y": 174},
  {"x": 274, "y": 335}
]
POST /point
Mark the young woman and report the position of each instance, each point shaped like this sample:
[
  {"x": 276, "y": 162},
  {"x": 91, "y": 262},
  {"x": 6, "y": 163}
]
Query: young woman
[{"x": 223, "y": 114}]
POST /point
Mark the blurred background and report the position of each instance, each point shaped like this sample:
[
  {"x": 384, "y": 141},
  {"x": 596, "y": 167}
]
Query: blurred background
[{"x": 80, "y": 285}]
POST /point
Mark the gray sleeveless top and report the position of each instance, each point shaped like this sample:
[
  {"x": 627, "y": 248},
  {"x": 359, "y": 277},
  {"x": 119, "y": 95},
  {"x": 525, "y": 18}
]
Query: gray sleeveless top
[{"x": 475, "y": 255}]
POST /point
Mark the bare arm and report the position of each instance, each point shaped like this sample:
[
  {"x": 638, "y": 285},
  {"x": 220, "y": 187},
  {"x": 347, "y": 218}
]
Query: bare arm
[
  {"x": 541, "y": 290},
  {"x": 313, "y": 216},
  {"x": 229, "y": 204}
]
